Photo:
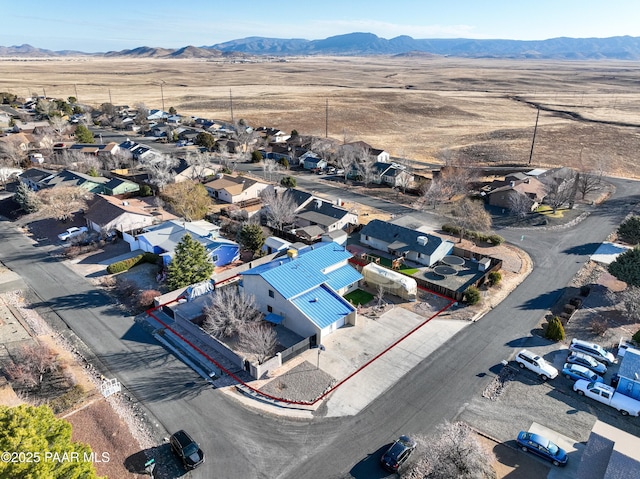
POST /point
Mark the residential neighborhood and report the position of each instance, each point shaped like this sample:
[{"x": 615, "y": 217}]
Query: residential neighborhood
[{"x": 256, "y": 258}]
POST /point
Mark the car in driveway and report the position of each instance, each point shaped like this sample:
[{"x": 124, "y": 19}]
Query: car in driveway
[
  {"x": 543, "y": 447},
  {"x": 575, "y": 372},
  {"x": 187, "y": 450},
  {"x": 588, "y": 362},
  {"x": 594, "y": 350},
  {"x": 398, "y": 453},
  {"x": 537, "y": 364},
  {"x": 72, "y": 232}
]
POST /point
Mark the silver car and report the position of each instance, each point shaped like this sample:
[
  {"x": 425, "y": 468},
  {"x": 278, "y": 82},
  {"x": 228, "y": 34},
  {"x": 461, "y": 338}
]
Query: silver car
[{"x": 588, "y": 362}]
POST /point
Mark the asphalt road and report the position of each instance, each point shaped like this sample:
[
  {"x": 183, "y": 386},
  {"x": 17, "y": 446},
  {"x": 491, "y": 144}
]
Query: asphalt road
[{"x": 242, "y": 443}]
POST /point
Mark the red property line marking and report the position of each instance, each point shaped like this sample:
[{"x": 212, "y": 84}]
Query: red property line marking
[{"x": 150, "y": 312}]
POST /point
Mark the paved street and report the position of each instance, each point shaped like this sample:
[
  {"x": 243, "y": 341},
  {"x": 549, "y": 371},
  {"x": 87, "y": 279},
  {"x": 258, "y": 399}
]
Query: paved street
[{"x": 244, "y": 443}]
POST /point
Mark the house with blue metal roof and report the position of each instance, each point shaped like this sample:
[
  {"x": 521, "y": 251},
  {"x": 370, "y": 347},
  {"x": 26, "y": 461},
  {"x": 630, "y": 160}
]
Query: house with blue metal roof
[
  {"x": 413, "y": 245},
  {"x": 303, "y": 291},
  {"x": 162, "y": 239},
  {"x": 629, "y": 374}
]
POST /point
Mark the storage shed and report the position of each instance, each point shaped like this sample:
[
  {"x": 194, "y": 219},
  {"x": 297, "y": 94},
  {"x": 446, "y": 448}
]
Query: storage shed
[{"x": 393, "y": 282}]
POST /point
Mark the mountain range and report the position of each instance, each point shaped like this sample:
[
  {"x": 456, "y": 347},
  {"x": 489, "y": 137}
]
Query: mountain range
[{"x": 358, "y": 44}]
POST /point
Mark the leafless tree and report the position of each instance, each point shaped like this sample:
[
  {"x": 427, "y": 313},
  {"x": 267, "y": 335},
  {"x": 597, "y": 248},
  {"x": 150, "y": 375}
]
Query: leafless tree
[
  {"x": 560, "y": 190},
  {"x": 345, "y": 161},
  {"x": 188, "y": 199},
  {"x": 454, "y": 453},
  {"x": 588, "y": 181},
  {"x": 160, "y": 169},
  {"x": 269, "y": 167},
  {"x": 247, "y": 141},
  {"x": 11, "y": 152},
  {"x": 437, "y": 192},
  {"x": 62, "y": 201},
  {"x": 141, "y": 116},
  {"x": 627, "y": 301},
  {"x": 45, "y": 108},
  {"x": 403, "y": 181},
  {"x": 200, "y": 162},
  {"x": 279, "y": 207},
  {"x": 228, "y": 311},
  {"x": 59, "y": 125},
  {"x": 258, "y": 338},
  {"x": 380, "y": 296},
  {"x": 520, "y": 205},
  {"x": 32, "y": 363},
  {"x": 471, "y": 215}
]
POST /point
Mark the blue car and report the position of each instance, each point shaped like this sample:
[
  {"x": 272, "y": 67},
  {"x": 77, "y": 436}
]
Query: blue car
[
  {"x": 530, "y": 442},
  {"x": 575, "y": 372}
]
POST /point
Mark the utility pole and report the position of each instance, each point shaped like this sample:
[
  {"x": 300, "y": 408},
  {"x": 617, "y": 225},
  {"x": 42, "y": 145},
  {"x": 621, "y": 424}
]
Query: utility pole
[
  {"x": 231, "y": 105},
  {"x": 162, "y": 93},
  {"x": 44, "y": 93},
  {"x": 326, "y": 119},
  {"x": 76, "y": 88},
  {"x": 110, "y": 102},
  {"x": 533, "y": 141}
]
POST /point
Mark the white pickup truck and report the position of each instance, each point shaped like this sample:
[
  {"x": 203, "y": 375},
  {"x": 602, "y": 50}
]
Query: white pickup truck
[{"x": 608, "y": 395}]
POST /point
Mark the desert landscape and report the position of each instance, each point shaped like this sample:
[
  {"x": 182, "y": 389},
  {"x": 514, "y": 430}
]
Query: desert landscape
[{"x": 421, "y": 107}]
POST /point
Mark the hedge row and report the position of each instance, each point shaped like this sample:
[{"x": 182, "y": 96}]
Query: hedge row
[
  {"x": 127, "y": 264},
  {"x": 475, "y": 235}
]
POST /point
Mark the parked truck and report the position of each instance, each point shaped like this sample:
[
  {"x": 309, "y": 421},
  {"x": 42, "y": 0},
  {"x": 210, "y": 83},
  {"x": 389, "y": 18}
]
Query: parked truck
[{"x": 608, "y": 395}]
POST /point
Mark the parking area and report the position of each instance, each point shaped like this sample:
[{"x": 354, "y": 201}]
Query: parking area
[{"x": 549, "y": 408}]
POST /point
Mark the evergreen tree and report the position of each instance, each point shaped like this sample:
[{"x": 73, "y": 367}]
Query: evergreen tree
[
  {"x": 27, "y": 199},
  {"x": 190, "y": 264},
  {"x": 629, "y": 231},
  {"x": 555, "y": 330},
  {"x": 36, "y": 434},
  {"x": 626, "y": 267},
  {"x": 83, "y": 134},
  {"x": 251, "y": 237}
]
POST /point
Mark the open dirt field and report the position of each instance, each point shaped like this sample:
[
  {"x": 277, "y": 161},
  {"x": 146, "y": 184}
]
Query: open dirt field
[{"x": 420, "y": 108}]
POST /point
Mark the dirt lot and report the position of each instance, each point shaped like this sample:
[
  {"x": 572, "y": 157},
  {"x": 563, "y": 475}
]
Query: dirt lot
[{"x": 483, "y": 110}]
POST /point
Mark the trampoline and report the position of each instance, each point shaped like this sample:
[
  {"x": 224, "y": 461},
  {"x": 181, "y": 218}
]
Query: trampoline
[
  {"x": 444, "y": 271},
  {"x": 452, "y": 260}
]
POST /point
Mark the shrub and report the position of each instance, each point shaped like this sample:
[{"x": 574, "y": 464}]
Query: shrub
[
  {"x": 636, "y": 337},
  {"x": 125, "y": 287},
  {"x": 555, "y": 330},
  {"x": 472, "y": 295},
  {"x": 127, "y": 264},
  {"x": 496, "y": 239},
  {"x": 599, "y": 326},
  {"x": 67, "y": 400},
  {"x": 629, "y": 231},
  {"x": 146, "y": 297},
  {"x": 145, "y": 190},
  {"x": 495, "y": 277}
]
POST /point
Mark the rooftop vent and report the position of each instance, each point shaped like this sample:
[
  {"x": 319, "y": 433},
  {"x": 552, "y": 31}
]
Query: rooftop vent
[{"x": 423, "y": 240}]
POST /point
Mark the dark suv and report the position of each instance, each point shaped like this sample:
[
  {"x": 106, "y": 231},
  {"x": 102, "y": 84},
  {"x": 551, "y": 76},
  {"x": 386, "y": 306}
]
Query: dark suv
[
  {"x": 186, "y": 449},
  {"x": 398, "y": 453}
]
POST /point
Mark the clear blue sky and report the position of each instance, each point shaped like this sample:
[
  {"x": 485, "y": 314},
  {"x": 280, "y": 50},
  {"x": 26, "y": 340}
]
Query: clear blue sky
[{"x": 102, "y": 25}]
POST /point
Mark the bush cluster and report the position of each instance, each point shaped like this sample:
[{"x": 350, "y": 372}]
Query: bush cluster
[
  {"x": 474, "y": 235},
  {"x": 495, "y": 277},
  {"x": 472, "y": 295},
  {"x": 636, "y": 337},
  {"x": 127, "y": 264}
]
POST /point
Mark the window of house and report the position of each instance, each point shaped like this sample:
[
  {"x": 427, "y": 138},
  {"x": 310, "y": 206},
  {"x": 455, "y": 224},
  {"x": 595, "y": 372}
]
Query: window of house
[
  {"x": 214, "y": 258},
  {"x": 271, "y": 295},
  {"x": 270, "y": 309}
]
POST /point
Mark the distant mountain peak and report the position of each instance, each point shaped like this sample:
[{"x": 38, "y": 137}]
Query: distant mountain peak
[{"x": 364, "y": 43}]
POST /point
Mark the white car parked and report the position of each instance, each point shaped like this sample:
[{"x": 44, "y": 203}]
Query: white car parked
[
  {"x": 537, "y": 364},
  {"x": 594, "y": 350},
  {"x": 72, "y": 232}
]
